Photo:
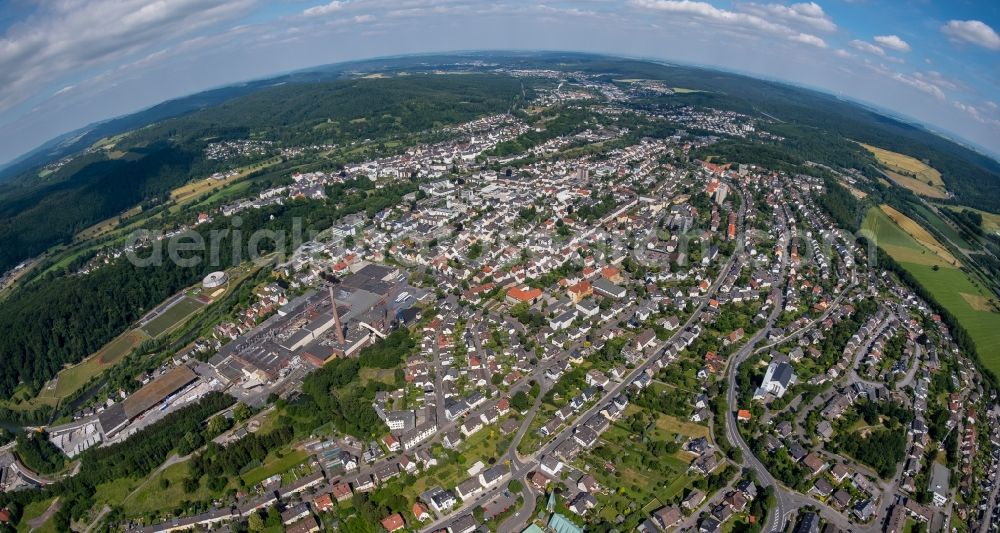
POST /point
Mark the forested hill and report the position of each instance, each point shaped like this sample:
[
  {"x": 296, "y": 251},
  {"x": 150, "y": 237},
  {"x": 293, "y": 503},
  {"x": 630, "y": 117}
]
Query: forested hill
[
  {"x": 93, "y": 187},
  {"x": 345, "y": 110}
]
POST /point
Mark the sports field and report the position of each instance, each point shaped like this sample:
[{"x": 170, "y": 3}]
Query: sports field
[
  {"x": 172, "y": 316},
  {"x": 971, "y": 304},
  {"x": 910, "y": 172}
]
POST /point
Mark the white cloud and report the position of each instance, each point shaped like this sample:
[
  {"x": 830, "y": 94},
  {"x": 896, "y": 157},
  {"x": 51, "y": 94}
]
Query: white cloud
[
  {"x": 708, "y": 13},
  {"x": 867, "y": 47},
  {"x": 807, "y": 38},
  {"x": 840, "y": 52},
  {"x": 935, "y": 77},
  {"x": 324, "y": 9},
  {"x": 972, "y": 32},
  {"x": 920, "y": 85},
  {"x": 892, "y": 41},
  {"x": 976, "y": 113},
  {"x": 808, "y": 13},
  {"x": 64, "y": 90},
  {"x": 67, "y": 37}
]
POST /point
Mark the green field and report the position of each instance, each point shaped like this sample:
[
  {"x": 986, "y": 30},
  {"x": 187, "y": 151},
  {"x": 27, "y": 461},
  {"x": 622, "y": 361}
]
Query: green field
[
  {"x": 938, "y": 224},
  {"x": 881, "y": 229},
  {"x": 955, "y": 291},
  {"x": 274, "y": 465},
  {"x": 951, "y": 287},
  {"x": 172, "y": 317},
  {"x": 32, "y": 511},
  {"x": 152, "y": 498},
  {"x": 674, "y": 425}
]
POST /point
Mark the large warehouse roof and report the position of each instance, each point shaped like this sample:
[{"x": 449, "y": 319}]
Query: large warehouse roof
[{"x": 157, "y": 391}]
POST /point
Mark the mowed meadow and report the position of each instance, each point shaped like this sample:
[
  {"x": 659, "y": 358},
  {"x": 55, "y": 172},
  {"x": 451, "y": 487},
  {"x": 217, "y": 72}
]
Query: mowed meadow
[{"x": 935, "y": 268}]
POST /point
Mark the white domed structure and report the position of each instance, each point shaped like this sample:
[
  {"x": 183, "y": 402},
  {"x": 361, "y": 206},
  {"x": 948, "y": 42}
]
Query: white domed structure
[{"x": 215, "y": 279}]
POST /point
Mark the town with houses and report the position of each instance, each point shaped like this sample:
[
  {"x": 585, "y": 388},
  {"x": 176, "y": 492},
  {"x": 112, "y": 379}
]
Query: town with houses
[{"x": 624, "y": 338}]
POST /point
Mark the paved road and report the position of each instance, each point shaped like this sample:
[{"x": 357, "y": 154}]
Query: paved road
[{"x": 780, "y": 514}]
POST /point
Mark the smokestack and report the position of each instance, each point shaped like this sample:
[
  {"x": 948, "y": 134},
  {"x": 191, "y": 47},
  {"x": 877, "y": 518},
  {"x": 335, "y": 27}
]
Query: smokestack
[{"x": 336, "y": 317}]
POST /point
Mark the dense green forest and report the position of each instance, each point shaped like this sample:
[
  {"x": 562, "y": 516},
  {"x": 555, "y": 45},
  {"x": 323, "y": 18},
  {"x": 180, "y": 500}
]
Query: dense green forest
[
  {"x": 38, "y": 454},
  {"x": 84, "y": 193},
  {"x": 841, "y": 205},
  {"x": 345, "y": 110}
]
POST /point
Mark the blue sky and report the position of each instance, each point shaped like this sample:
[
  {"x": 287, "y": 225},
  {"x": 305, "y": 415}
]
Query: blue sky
[{"x": 66, "y": 63}]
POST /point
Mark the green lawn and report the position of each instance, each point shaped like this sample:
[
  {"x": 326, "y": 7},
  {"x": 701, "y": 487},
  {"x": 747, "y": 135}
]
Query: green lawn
[
  {"x": 34, "y": 510},
  {"x": 672, "y": 424},
  {"x": 274, "y": 465},
  {"x": 173, "y": 316},
  {"x": 114, "y": 492},
  {"x": 151, "y": 498}
]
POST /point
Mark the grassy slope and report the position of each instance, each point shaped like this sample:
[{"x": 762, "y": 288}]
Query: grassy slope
[{"x": 947, "y": 284}]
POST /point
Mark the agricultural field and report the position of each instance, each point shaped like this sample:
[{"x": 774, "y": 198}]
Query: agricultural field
[
  {"x": 918, "y": 232},
  {"x": 940, "y": 225},
  {"x": 194, "y": 189},
  {"x": 922, "y": 188},
  {"x": 910, "y": 172},
  {"x": 105, "y": 226},
  {"x": 972, "y": 304},
  {"x": 905, "y": 240},
  {"x": 991, "y": 221},
  {"x": 169, "y": 318}
]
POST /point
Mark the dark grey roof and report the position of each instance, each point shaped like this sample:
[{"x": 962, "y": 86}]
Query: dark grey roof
[{"x": 783, "y": 374}]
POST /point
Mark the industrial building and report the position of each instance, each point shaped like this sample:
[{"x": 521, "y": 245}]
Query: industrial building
[
  {"x": 337, "y": 321},
  {"x": 117, "y": 416}
]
